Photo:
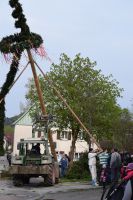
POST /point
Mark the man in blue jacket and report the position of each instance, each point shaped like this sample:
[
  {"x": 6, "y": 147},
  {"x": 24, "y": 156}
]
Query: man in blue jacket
[{"x": 64, "y": 165}]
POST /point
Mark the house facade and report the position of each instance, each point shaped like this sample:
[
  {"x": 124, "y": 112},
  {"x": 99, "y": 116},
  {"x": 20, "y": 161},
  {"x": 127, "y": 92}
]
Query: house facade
[{"x": 62, "y": 139}]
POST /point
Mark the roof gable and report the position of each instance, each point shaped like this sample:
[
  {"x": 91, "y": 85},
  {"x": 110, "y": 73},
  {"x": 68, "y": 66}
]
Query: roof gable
[{"x": 25, "y": 119}]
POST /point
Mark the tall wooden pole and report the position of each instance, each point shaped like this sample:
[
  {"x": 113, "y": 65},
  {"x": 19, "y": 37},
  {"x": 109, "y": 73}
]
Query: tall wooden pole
[{"x": 40, "y": 96}]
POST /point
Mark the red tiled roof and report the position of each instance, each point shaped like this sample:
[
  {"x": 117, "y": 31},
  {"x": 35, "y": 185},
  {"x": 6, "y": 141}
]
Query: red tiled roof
[{"x": 9, "y": 137}]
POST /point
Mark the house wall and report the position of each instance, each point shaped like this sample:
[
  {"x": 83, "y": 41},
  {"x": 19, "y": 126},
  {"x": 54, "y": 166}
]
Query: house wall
[
  {"x": 20, "y": 132},
  {"x": 65, "y": 144}
]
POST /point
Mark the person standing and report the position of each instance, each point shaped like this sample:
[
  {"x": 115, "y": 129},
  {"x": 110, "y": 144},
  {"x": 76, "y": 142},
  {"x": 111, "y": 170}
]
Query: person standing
[
  {"x": 9, "y": 157},
  {"x": 37, "y": 148},
  {"x": 92, "y": 165},
  {"x": 128, "y": 192},
  {"x": 115, "y": 165},
  {"x": 59, "y": 157},
  {"x": 103, "y": 171},
  {"x": 64, "y": 165},
  {"x": 123, "y": 190},
  {"x": 103, "y": 158}
]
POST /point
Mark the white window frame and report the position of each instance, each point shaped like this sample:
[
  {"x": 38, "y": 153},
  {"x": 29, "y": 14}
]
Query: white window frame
[
  {"x": 80, "y": 136},
  {"x": 64, "y": 135}
]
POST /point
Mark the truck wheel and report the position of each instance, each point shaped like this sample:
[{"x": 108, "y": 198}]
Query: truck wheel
[
  {"x": 49, "y": 180},
  {"x": 17, "y": 181},
  {"x": 56, "y": 180},
  {"x": 26, "y": 180}
]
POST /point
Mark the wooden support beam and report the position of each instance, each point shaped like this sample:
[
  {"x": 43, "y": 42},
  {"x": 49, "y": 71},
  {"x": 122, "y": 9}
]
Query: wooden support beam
[{"x": 40, "y": 96}]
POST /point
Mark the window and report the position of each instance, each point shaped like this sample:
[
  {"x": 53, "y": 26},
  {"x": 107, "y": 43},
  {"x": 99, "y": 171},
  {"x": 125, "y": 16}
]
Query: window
[
  {"x": 77, "y": 156},
  {"x": 80, "y": 136},
  {"x": 63, "y": 135}
]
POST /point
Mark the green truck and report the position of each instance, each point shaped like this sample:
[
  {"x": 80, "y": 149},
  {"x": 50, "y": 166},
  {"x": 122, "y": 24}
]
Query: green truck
[{"x": 30, "y": 163}]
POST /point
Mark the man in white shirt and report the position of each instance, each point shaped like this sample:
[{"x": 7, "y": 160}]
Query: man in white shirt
[{"x": 92, "y": 165}]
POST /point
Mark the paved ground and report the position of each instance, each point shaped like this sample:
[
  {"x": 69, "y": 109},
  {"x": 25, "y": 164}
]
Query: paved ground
[
  {"x": 36, "y": 191},
  {"x": 90, "y": 194}
]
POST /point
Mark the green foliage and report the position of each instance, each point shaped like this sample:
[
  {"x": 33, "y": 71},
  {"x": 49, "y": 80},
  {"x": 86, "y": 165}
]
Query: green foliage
[
  {"x": 8, "y": 129},
  {"x": 91, "y": 95},
  {"x": 2, "y": 117},
  {"x": 18, "y": 43},
  {"x": 15, "y": 44},
  {"x": 80, "y": 169},
  {"x": 123, "y": 131},
  {"x": 10, "y": 77}
]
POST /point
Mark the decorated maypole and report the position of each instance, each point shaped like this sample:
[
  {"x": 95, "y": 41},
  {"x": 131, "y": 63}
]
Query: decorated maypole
[{"x": 15, "y": 45}]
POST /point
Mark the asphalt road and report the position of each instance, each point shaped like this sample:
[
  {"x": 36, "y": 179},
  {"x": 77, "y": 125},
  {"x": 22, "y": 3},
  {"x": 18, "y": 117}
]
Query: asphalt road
[
  {"x": 37, "y": 191},
  {"x": 91, "y": 194}
]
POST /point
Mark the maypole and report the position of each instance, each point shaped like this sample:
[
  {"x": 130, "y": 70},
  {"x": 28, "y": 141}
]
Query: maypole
[
  {"x": 40, "y": 96},
  {"x": 16, "y": 44}
]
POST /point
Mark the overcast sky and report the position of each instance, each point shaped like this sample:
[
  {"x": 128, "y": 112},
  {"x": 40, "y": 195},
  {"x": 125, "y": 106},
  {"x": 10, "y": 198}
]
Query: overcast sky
[{"x": 99, "y": 29}]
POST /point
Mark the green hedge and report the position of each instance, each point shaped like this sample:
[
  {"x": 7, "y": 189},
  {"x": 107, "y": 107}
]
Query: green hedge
[{"x": 80, "y": 169}]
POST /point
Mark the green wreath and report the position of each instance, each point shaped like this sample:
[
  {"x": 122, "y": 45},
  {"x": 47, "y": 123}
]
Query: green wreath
[
  {"x": 15, "y": 44},
  {"x": 18, "y": 42},
  {"x": 23, "y": 40}
]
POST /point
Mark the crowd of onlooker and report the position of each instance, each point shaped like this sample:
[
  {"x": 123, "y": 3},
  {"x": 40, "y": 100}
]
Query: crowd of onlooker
[
  {"x": 102, "y": 164},
  {"x": 111, "y": 167},
  {"x": 114, "y": 162}
]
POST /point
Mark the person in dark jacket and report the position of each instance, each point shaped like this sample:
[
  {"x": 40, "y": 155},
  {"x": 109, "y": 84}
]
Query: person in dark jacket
[
  {"x": 9, "y": 157},
  {"x": 115, "y": 165},
  {"x": 123, "y": 190},
  {"x": 64, "y": 165},
  {"x": 37, "y": 148}
]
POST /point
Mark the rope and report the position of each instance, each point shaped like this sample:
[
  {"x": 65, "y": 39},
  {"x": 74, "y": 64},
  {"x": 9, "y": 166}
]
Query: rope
[{"x": 15, "y": 80}]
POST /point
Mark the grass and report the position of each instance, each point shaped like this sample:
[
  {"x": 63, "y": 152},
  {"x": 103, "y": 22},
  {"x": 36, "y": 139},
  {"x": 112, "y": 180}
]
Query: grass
[{"x": 65, "y": 180}]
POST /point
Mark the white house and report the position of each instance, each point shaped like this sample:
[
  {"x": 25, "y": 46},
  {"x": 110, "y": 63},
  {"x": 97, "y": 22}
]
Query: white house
[{"x": 63, "y": 139}]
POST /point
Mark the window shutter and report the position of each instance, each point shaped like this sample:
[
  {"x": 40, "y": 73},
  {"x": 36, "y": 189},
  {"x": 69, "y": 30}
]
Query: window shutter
[
  {"x": 84, "y": 135},
  {"x": 58, "y": 134},
  {"x": 39, "y": 134},
  {"x": 69, "y": 135}
]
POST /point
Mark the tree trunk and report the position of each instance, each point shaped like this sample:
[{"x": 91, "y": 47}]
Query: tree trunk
[
  {"x": 89, "y": 142},
  {"x": 72, "y": 148},
  {"x": 50, "y": 138}
]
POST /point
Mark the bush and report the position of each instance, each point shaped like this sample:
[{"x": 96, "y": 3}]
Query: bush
[{"x": 79, "y": 170}]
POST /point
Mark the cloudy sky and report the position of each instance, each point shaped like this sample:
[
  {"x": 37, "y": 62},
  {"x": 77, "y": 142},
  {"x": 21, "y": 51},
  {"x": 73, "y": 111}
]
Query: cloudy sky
[{"x": 99, "y": 29}]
